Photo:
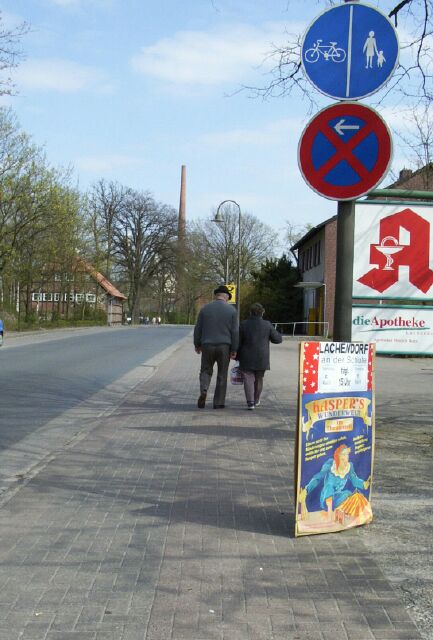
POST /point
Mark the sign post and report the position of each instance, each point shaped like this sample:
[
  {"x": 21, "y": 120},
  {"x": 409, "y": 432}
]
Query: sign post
[
  {"x": 344, "y": 271},
  {"x": 349, "y": 51}
]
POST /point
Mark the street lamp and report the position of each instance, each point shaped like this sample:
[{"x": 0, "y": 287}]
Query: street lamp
[{"x": 219, "y": 219}]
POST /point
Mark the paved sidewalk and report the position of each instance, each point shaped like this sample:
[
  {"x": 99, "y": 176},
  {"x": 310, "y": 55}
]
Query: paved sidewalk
[{"x": 171, "y": 523}]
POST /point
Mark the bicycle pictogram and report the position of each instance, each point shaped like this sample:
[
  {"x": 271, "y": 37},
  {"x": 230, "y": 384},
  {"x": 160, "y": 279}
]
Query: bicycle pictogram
[{"x": 328, "y": 51}]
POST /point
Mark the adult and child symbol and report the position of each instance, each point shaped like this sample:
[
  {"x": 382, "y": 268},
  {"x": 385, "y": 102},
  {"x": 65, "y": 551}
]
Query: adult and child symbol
[{"x": 219, "y": 338}]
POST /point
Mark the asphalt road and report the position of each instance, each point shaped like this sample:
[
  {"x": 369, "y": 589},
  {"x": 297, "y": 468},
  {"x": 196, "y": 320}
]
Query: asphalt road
[{"x": 44, "y": 375}]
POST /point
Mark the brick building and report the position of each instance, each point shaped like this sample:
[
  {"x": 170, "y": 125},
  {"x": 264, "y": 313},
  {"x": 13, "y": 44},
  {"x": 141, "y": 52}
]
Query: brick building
[
  {"x": 78, "y": 293},
  {"x": 316, "y": 261},
  {"x": 420, "y": 180}
]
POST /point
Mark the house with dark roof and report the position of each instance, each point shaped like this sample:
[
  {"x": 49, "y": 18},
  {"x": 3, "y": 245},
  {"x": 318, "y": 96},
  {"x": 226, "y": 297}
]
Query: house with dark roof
[{"x": 419, "y": 180}]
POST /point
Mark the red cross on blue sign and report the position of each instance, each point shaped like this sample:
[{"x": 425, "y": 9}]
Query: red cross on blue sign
[{"x": 345, "y": 151}]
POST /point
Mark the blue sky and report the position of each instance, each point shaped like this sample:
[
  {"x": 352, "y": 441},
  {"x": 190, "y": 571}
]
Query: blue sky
[{"x": 130, "y": 90}]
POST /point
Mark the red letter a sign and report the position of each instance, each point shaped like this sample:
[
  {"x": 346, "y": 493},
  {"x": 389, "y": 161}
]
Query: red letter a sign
[{"x": 389, "y": 254}]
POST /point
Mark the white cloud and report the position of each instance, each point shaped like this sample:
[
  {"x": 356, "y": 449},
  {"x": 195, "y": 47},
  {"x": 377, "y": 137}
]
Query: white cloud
[
  {"x": 270, "y": 134},
  {"x": 64, "y": 76},
  {"x": 106, "y": 163},
  {"x": 209, "y": 58}
]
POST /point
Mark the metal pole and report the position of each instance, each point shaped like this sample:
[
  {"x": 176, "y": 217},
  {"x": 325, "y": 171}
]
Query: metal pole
[
  {"x": 238, "y": 296},
  {"x": 218, "y": 219},
  {"x": 324, "y": 307},
  {"x": 344, "y": 272},
  {"x": 401, "y": 193}
]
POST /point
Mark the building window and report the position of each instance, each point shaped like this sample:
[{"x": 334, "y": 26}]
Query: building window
[
  {"x": 90, "y": 297},
  {"x": 37, "y": 297},
  {"x": 47, "y": 297}
]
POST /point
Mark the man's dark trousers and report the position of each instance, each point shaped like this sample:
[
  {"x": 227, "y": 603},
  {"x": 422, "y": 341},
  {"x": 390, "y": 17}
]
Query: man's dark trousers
[{"x": 211, "y": 353}]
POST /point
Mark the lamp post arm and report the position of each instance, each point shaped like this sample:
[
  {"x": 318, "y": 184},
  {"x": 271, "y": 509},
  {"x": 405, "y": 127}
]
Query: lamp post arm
[
  {"x": 238, "y": 297},
  {"x": 238, "y": 287}
]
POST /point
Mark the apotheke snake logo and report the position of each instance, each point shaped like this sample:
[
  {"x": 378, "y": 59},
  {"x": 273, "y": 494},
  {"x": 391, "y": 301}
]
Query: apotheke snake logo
[{"x": 387, "y": 255}]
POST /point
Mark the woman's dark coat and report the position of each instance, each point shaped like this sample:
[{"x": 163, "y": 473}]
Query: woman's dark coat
[{"x": 254, "y": 337}]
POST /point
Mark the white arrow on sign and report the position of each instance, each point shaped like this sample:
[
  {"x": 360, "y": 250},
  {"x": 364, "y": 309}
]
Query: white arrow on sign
[{"x": 340, "y": 127}]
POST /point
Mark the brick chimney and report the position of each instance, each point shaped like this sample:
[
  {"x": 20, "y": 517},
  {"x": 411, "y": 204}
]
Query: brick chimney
[{"x": 404, "y": 175}]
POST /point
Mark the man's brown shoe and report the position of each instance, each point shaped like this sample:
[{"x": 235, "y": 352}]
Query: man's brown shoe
[{"x": 202, "y": 400}]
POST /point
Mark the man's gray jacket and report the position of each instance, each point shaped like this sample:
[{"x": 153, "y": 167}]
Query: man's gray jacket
[{"x": 217, "y": 323}]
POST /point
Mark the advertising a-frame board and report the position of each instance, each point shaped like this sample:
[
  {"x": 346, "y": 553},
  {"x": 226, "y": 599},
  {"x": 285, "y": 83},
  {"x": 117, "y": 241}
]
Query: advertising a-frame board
[{"x": 335, "y": 437}]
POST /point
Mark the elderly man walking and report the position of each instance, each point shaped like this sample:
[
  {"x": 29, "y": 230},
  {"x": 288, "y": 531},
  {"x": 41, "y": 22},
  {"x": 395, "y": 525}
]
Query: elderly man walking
[{"x": 216, "y": 337}]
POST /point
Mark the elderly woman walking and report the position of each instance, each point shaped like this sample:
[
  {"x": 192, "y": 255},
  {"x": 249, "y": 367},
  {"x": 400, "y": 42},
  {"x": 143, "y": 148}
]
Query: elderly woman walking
[{"x": 253, "y": 354}]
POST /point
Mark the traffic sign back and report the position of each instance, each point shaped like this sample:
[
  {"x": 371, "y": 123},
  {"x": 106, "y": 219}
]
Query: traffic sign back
[
  {"x": 345, "y": 151},
  {"x": 350, "y": 51}
]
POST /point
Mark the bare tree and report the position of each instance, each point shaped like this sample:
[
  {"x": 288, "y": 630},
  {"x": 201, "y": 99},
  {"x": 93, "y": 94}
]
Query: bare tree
[
  {"x": 293, "y": 233},
  {"x": 418, "y": 136},
  {"x": 413, "y": 78},
  {"x": 105, "y": 203},
  {"x": 10, "y": 53},
  {"x": 144, "y": 235},
  {"x": 216, "y": 245}
]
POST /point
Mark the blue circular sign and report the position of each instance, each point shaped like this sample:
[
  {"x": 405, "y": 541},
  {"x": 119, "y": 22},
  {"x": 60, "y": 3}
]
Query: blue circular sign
[{"x": 350, "y": 51}]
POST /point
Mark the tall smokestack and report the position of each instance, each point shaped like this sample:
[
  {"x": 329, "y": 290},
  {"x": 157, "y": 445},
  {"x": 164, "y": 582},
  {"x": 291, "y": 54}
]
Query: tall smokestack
[
  {"x": 182, "y": 224},
  {"x": 181, "y": 236}
]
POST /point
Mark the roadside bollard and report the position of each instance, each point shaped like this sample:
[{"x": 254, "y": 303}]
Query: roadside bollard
[{"x": 1, "y": 332}]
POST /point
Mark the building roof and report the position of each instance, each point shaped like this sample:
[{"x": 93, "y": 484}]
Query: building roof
[
  {"x": 311, "y": 232},
  {"x": 101, "y": 280},
  {"x": 420, "y": 180}
]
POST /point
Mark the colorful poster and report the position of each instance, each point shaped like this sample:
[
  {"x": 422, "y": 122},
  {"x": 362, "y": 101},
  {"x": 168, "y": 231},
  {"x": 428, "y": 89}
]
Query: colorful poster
[{"x": 335, "y": 437}]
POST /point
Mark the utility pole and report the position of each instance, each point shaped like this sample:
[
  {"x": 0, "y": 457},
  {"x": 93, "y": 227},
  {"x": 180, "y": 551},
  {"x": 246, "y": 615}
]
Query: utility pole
[
  {"x": 181, "y": 237},
  {"x": 344, "y": 271}
]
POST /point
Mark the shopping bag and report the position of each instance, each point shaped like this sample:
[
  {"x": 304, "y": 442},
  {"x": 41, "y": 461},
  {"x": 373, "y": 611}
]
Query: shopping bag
[{"x": 236, "y": 376}]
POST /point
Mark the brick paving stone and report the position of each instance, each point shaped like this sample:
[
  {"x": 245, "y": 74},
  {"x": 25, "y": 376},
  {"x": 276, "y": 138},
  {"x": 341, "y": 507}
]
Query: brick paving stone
[
  {"x": 333, "y": 631},
  {"x": 169, "y": 523}
]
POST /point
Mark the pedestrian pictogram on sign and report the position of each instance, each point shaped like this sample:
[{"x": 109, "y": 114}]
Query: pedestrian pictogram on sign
[
  {"x": 350, "y": 51},
  {"x": 345, "y": 151}
]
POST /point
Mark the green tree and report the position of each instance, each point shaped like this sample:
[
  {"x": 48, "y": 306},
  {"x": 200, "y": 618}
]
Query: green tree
[
  {"x": 273, "y": 287},
  {"x": 49, "y": 245}
]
